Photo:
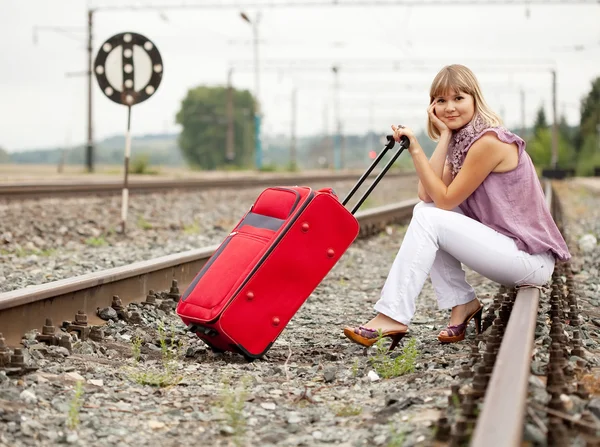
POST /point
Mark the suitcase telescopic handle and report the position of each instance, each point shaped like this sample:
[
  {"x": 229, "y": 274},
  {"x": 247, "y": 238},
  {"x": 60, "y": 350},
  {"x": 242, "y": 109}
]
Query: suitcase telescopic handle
[{"x": 404, "y": 143}]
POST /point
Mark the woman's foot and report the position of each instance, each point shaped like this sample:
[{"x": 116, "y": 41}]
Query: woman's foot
[
  {"x": 459, "y": 318},
  {"x": 385, "y": 323},
  {"x": 368, "y": 334}
]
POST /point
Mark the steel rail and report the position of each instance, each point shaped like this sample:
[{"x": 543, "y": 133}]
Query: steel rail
[
  {"x": 500, "y": 423},
  {"x": 35, "y": 190},
  {"x": 26, "y": 309}
]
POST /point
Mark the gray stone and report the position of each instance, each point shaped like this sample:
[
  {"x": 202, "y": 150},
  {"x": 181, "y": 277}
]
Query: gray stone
[
  {"x": 329, "y": 375},
  {"x": 108, "y": 313},
  {"x": 594, "y": 407}
]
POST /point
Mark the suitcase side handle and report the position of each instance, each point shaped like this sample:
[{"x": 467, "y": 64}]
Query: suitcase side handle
[{"x": 404, "y": 143}]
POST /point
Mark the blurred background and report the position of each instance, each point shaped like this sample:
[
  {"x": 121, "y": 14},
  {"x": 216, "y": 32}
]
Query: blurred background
[{"x": 289, "y": 84}]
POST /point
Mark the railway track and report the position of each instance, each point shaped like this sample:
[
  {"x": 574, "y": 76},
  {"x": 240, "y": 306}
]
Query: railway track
[
  {"x": 26, "y": 309},
  {"x": 19, "y": 191},
  {"x": 487, "y": 407}
]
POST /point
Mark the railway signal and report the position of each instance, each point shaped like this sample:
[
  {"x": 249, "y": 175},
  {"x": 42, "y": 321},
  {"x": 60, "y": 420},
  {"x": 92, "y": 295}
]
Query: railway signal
[{"x": 129, "y": 69}]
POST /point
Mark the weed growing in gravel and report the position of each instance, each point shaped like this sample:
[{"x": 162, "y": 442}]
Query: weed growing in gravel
[
  {"x": 75, "y": 406},
  {"x": 232, "y": 404},
  {"x": 136, "y": 348},
  {"x": 143, "y": 223},
  {"x": 95, "y": 241},
  {"x": 22, "y": 252},
  {"x": 355, "y": 367},
  {"x": 166, "y": 375},
  {"x": 192, "y": 228},
  {"x": 396, "y": 438},
  {"x": 347, "y": 410},
  {"x": 388, "y": 367}
]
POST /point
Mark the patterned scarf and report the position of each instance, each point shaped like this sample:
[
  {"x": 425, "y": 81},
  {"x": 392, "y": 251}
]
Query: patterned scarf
[{"x": 461, "y": 140}]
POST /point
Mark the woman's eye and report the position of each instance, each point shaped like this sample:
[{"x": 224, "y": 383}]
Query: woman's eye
[
  {"x": 440, "y": 101},
  {"x": 458, "y": 98}
]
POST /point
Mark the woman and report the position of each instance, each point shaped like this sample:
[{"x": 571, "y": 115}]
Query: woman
[{"x": 482, "y": 206}]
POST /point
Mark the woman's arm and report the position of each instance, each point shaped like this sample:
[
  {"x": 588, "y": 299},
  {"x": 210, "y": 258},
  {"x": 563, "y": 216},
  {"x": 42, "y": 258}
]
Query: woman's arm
[
  {"x": 437, "y": 163},
  {"x": 483, "y": 157}
]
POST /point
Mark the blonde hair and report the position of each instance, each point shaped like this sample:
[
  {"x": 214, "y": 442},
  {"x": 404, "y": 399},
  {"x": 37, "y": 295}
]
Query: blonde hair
[{"x": 460, "y": 79}]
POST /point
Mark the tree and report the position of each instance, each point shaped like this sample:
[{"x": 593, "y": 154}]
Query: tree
[
  {"x": 204, "y": 120},
  {"x": 4, "y": 156},
  {"x": 589, "y": 156},
  {"x": 590, "y": 115},
  {"x": 540, "y": 121},
  {"x": 539, "y": 148}
]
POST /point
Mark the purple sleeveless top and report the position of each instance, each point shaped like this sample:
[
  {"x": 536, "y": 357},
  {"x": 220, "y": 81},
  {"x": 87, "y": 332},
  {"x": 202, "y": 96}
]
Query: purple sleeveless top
[{"x": 512, "y": 203}]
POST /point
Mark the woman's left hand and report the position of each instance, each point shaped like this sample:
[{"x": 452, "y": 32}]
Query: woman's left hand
[{"x": 407, "y": 131}]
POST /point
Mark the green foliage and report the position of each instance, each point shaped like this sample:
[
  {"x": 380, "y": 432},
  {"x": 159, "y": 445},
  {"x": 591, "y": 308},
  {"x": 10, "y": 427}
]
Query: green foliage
[
  {"x": 204, "y": 120},
  {"x": 140, "y": 164},
  {"x": 161, "y": 149},
  {"x": 347, "y": 410},
  {"x": 540, "y": 121},
  {"x": 589, "y": 156},
  {"x": 136, "y": 348},
  {"x": 590, "y": 115},
  {"x": 143, "y": 223},
  {"x": 269, "y": 167},
  {"x": 539, "y": 148},
  {"x": 396, "y": 438},
  {"x": 75, "y": 406},
  {"x": 232, "y": 405},
  {"x": 388, "y": 367},
  {"x": 166, "y": 374},
  {"x": 95, "y": 241},
  {"x": 21, "y": 252},
  {"x": 193, "y": 228}
]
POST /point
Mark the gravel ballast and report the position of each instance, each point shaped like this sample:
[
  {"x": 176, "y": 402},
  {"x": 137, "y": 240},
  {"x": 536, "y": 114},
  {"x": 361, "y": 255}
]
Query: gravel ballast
[
  {"x": 313, "y": 388},
  {"x": 46, "y": 240}
]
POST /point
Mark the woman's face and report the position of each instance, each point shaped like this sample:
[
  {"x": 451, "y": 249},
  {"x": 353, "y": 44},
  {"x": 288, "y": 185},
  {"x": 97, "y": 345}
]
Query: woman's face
[{"x": 455, "y": 109}]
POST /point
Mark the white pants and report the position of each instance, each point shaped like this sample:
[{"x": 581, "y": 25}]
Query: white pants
[{"x": 437, "y": 242}]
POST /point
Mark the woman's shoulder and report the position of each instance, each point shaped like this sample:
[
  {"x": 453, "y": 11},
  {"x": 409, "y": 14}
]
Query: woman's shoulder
[{"x": 497, "y": 136}]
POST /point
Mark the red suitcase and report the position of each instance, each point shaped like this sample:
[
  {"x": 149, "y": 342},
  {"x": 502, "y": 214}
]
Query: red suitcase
[{"x": 270, "y": 263}]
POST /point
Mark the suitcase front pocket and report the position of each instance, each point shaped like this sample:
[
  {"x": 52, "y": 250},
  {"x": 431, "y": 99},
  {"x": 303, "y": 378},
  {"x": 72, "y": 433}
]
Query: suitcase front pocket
[{"x": 226, "y": 269}]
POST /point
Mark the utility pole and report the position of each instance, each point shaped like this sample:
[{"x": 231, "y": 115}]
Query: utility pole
[
  {"x": 257, "y": 111},
  {"x": 336, "y": 101},
  {"x": 327, "y": 146},
  {"x": 554, "y": 159},
  {"x": 293, "y": 160},
  {"x": 89, "y": 153},
  {"x": 523, "y": 114},
  {"x": 230, "y": 152}
]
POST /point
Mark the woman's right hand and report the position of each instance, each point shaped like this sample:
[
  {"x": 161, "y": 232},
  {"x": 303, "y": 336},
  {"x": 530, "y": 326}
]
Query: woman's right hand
[{"x": 438, "y": 123}]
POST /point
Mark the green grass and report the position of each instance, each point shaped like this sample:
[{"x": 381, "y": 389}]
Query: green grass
[{"x": 387, "y": 367}]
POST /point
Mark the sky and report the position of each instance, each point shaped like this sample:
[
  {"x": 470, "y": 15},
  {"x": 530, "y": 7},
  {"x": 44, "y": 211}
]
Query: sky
[{"x": 387, "y": 57}]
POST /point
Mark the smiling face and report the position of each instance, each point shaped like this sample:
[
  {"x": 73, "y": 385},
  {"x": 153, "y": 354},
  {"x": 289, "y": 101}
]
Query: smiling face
[{"x": 454, "y": 108}]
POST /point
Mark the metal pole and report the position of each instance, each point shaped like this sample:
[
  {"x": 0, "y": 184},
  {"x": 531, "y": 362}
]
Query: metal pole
[
  {"x": 89, "y": 156},
  {"x": 293, "y": 161},
  {"x": 336, "y": 92},
  {"x": 554, "y": 123},
  {"x": 523, "y": 114},
  {"x": 257, "y": 112},
  {"x": 230, "y": 153}
]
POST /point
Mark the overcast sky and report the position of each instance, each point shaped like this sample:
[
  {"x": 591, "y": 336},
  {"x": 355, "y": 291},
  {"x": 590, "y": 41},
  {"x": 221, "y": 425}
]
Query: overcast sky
[{"x": 41, "y": 107}]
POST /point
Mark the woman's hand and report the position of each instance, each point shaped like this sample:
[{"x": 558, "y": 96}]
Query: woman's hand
[
  {"x": 438, "y": 123},
  {"x": 400, "y": 130}
]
